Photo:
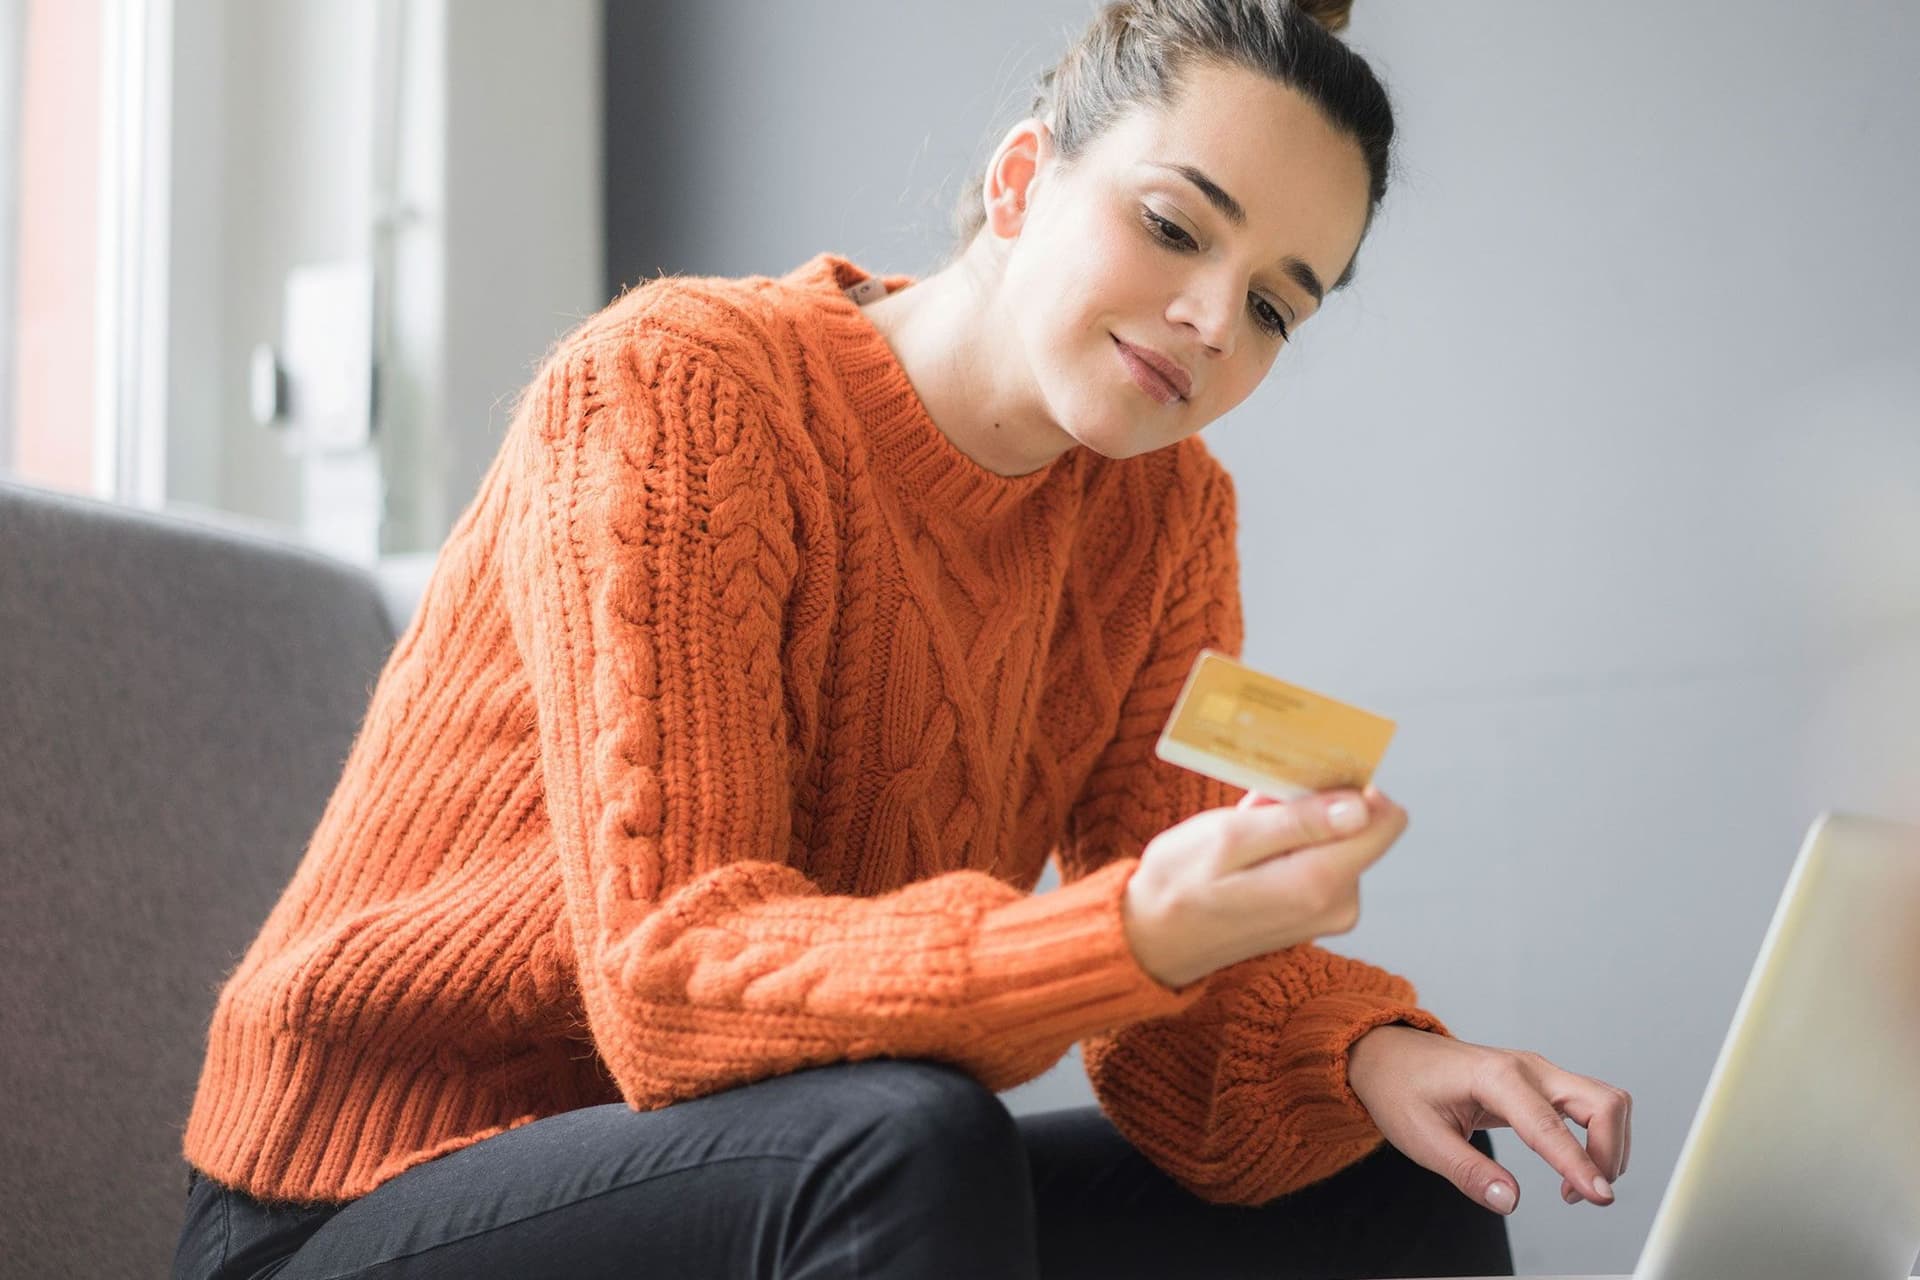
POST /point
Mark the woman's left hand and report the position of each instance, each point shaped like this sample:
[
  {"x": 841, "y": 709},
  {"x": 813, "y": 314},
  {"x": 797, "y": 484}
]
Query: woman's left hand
[{"x": 1428, "y": 1094}]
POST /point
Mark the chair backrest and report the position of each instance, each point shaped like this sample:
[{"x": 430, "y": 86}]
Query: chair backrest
[{"x": 176, "y": 703}]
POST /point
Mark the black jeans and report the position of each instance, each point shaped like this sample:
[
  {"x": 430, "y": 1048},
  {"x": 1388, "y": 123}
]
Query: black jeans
[{"x": 881, "y": 1167}]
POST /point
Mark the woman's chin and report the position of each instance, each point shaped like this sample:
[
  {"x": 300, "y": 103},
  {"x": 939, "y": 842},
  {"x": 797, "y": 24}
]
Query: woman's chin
[
  {"x": 1118, "y": 439},
  {"x": 1106, "y": 432},
  {"x": 1116, "y": 426},
  {"x": 1099, "y": 439}
]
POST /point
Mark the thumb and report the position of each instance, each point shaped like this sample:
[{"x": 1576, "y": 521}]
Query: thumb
[{"x": 1482, "y": 1180}]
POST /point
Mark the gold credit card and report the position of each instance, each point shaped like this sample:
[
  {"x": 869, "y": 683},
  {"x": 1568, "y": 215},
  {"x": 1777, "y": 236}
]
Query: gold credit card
[{"x": 1250, "y": 730}]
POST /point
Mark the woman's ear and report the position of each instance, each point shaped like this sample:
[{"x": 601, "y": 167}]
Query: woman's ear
[{"x": 1013, "y": 176}]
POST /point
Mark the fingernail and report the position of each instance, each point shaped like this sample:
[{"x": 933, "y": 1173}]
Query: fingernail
[
  {"x": 1602, "y": 1188},
  {"x": 1348, "y": 815},
  {"x": 1570, "y": 1196},
  {"x": 1500, "y": 1197}
]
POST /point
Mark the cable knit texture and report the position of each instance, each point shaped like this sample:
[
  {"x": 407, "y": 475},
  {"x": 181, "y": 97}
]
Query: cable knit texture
[{"x": 731, "y": 736}]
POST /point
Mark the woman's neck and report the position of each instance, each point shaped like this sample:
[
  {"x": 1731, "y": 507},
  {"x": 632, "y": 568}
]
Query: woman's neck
[{"x": 965, "y": 363}]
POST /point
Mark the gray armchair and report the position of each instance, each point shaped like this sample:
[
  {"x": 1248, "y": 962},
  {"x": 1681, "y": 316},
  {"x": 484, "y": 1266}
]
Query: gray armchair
[{"x": 176, "y": 702}]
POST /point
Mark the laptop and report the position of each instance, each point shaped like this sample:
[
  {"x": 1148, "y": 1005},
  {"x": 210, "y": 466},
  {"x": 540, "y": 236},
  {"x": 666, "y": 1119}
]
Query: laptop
[{"x": 1803, "y": 1161}]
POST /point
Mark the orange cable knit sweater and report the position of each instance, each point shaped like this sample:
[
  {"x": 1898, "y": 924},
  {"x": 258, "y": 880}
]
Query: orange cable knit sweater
[{"x": 731, "y": 736}]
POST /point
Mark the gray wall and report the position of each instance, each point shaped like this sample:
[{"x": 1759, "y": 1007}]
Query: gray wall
[{"x": 1603, "y": 480}]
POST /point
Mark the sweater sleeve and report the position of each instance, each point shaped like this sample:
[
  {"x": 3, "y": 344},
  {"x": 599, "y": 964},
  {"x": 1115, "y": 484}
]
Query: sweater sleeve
[
  {"x": 1243, "y": 1095},
  {"x": 649, "y": 561}
]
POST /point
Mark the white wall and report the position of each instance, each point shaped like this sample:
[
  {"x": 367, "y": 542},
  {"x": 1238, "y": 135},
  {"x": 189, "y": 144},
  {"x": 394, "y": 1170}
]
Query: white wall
[
  {"x": 272, "y": 104},
  {"x": 500, "y": 139},
  {"x": 1603, "y": 480}
]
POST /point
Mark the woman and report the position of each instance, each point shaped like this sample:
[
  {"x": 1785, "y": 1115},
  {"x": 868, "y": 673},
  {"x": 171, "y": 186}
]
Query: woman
[{"x": 673, "y": 914}]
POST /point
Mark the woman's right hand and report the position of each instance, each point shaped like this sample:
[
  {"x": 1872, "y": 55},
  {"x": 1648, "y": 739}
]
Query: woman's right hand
[{"x": 1261, "y": 876}]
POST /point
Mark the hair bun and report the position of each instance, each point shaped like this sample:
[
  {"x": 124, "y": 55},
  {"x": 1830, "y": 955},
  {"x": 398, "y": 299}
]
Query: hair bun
[{"x": 1331, "y": 14}]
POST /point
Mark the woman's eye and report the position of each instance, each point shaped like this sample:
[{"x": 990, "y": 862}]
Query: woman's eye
[
  {"x": 1262, "y": 309},
  {"x": 1265, "y": 314},
  {"x": 1165, "y": 230}
]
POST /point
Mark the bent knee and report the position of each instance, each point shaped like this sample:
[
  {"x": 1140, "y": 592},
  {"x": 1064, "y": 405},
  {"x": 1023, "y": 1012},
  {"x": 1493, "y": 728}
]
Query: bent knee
[{"x": 932, "y": 1110}]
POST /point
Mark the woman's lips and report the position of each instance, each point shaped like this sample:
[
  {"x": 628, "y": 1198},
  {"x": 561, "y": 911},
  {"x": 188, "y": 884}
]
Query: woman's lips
[{"x": 1145, "y": 376}]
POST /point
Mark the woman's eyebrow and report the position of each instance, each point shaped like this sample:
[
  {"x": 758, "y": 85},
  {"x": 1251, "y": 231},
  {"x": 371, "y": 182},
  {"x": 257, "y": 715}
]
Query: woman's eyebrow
[{"x": 1302, "y": 274}]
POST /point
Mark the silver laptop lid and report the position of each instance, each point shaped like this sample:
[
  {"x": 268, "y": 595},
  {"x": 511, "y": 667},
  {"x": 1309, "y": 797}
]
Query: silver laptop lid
[{"x": 1804, "y": 1155}]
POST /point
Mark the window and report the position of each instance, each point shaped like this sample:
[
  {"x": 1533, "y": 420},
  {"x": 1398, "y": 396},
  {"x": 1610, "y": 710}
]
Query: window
[{"x": 83, "y": 136}]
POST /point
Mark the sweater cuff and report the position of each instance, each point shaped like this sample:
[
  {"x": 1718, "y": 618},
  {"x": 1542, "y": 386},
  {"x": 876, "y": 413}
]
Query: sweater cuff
[
  {"x": 1057, "y": 966},
  {"x": 1314, "y": 1076}
]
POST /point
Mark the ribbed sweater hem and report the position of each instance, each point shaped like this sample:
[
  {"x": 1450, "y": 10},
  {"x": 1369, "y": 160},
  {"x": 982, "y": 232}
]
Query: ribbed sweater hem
[{"x": 299, "y": 1120}]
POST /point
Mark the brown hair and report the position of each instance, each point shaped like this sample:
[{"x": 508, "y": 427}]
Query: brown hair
[{"x": 1134, "y": 52}]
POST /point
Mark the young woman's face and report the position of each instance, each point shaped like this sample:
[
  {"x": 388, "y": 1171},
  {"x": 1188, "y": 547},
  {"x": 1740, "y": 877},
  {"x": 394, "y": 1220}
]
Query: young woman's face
[{"x": 1123, "y": 247}]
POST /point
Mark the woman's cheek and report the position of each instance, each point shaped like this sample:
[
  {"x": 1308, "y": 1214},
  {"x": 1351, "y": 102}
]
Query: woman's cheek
[{"x": 1123, "y": 246}]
